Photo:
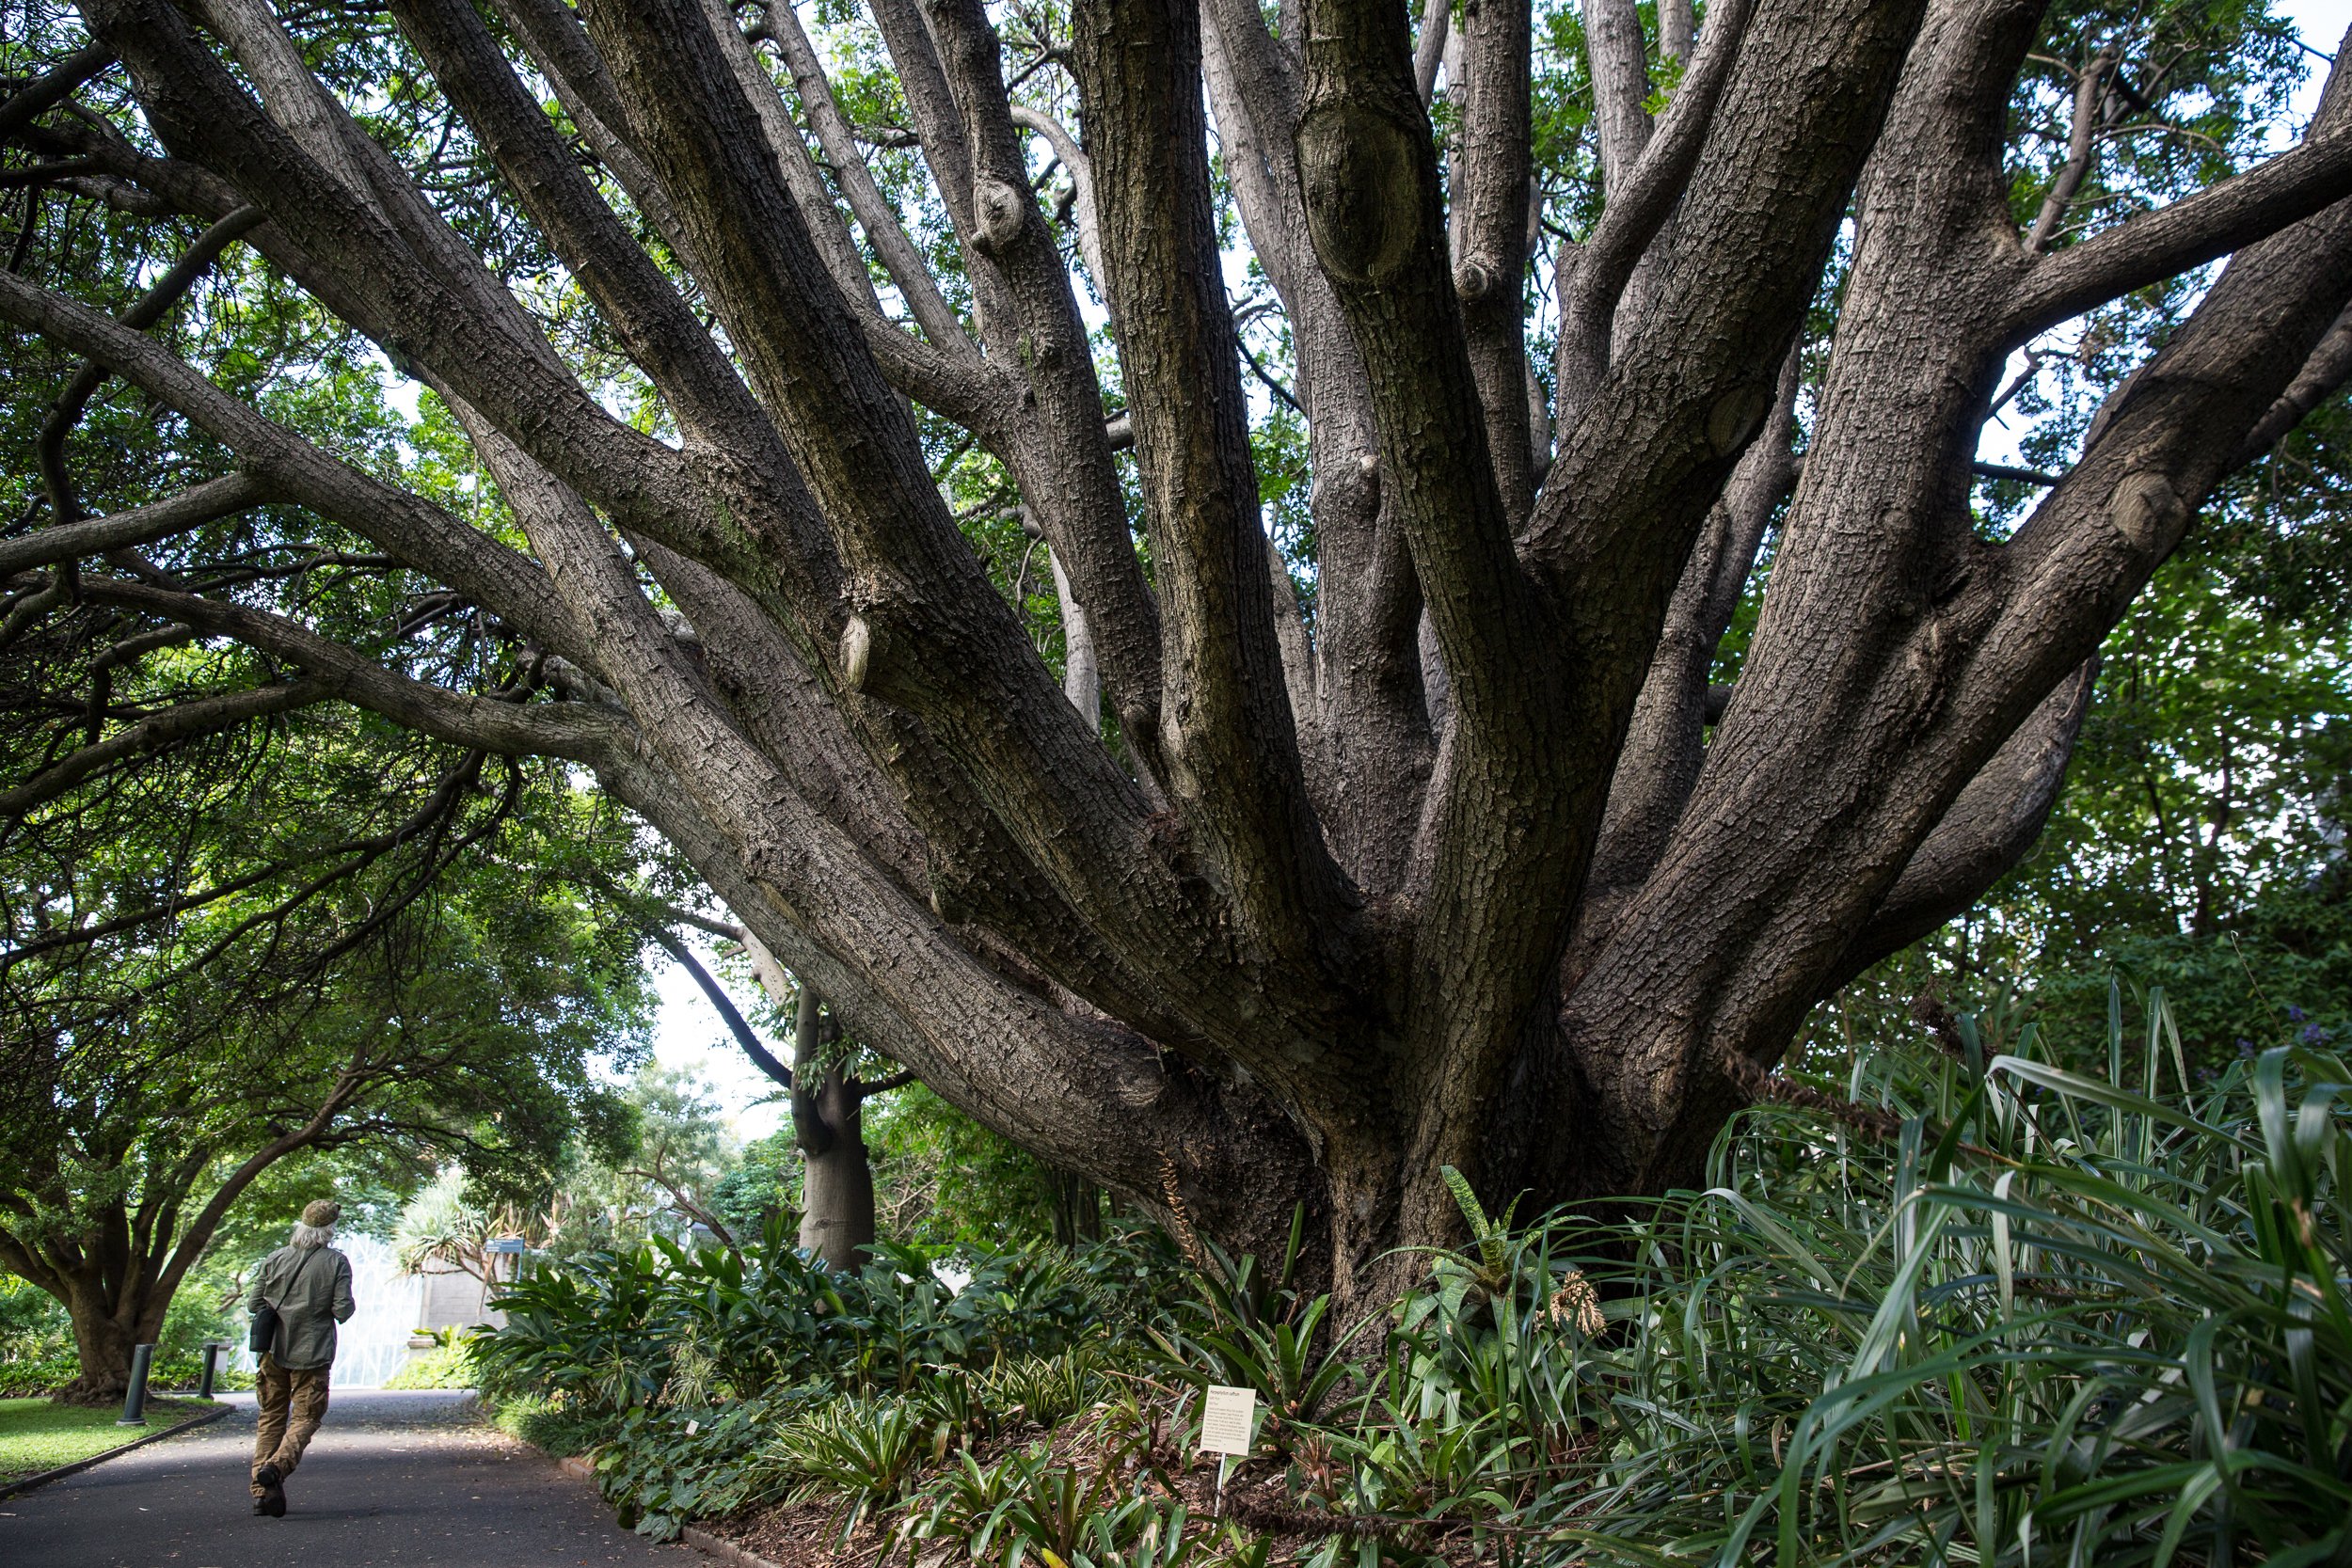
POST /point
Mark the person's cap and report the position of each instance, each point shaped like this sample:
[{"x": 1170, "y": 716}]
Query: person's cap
[{"x": 322, "y": 1213}]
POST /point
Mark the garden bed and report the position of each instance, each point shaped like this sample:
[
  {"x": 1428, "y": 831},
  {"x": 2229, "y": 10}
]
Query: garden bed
[{"x": 1965, "y": 1296}]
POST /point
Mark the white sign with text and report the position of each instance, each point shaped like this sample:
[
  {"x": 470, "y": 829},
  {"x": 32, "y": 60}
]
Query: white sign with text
[{"x": 1225, "y": 1422}]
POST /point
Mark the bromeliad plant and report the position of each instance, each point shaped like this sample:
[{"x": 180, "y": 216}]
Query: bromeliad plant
[{"x": 1252, "y": 1328}]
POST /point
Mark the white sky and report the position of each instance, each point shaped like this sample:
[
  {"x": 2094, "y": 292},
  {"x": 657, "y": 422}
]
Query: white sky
[{"x": 688, "y": 1034}]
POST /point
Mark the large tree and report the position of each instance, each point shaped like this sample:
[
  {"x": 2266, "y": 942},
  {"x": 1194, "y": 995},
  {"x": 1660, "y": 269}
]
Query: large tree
[{"x": 1469, "y": 866}]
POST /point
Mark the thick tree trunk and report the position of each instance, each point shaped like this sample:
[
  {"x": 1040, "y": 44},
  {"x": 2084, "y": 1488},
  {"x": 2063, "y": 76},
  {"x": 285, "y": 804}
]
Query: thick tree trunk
[
  {"x": 104, "y": 1347},
  {"x": 105, "y": 1332}
]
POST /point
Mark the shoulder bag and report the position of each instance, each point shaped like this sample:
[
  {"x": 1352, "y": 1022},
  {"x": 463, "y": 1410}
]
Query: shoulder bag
[{"x": 266, "y": 1315}]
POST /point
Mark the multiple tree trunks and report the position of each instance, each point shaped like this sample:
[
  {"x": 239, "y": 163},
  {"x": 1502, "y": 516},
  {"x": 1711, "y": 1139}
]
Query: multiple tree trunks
[{"x": 1466, "y": 874}]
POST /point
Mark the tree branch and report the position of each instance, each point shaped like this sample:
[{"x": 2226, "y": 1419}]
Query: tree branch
[
  {"x": 67, "y": 411},
  {"x": 2323, "y": 374},
  {"x": 1641, "y": 199},
  {"x": 1984, "y": 833},
  {"x": 53, "y": 87},
  {"x": 729, "y": 1014},
  {"x": 1488, "y": 206},
  {"x": 476, "y": 566},
  {"x": 205, "y": 503},
  {"x": 873, "y": 211},
  {"x": 156, "y": 732},
  {"x": 2188, "y": 233},
  {"x": 509, "y": 729},
  {"x": 2090, "y": 91},
  {"x": 898, "y": 1080},
  {"x": 1234, "y": 767},
  {"x": 1619, "y": 60}
]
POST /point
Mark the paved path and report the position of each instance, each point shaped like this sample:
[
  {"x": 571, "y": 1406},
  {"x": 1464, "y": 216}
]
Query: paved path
[{"x": 392, "y": 1480}]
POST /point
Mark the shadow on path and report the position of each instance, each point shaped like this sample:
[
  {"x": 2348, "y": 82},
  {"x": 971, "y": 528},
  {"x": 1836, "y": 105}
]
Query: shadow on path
[{"x": 392, "y": 1480}]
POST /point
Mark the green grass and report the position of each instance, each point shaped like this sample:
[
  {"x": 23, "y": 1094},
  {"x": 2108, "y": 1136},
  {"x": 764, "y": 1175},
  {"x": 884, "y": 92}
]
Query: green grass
[{"x": 37, "y": 1436}]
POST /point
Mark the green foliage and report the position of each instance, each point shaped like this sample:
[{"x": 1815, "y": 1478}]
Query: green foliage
[
  {"x": 551, "y": 1425},
  {"x": 33, "y": 1326},
  {"x": 2071, "y": 1318},
  {"x": 863, "y": 1450},
  {"x": 612, "y": 1331},
  {"x": 2052, "y": 1315},
  {"x": 943, "y": 1180},
  {"x": 445, "y": 1366},
  {"x": 665, "y": 1465},
  {"x": 734, "y": 1342},
  {"x": 762, "y": 1185},
  {"x": 1249, "y": 1328}
]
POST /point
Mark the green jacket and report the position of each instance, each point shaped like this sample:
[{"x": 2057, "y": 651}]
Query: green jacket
[{"x": 311, "y": 1297}]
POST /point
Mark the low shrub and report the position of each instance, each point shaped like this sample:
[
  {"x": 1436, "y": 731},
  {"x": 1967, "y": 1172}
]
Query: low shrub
[
  {"x": 1934, "y": 1306},
  {"x": 666, "y": 1323},
  {"x": 180, "y": 1374},
  {"x": 448, "y": 1364},
  {"x": 667, "y": 1464},
  {"x": 557, "y": 1430},
  {"x": 20, "y": 1379}
]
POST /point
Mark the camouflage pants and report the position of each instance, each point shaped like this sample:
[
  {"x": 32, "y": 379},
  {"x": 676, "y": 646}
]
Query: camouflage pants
[{"x": 289, "y": 1403}]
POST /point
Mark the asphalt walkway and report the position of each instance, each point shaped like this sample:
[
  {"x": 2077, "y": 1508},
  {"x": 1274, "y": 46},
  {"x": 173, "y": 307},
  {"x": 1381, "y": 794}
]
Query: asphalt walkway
[{"x": 392, "y": 1480}]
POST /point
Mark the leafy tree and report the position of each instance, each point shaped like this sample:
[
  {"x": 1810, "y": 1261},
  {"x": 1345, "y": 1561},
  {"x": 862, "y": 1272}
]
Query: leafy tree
[
  {"x": 660, "y": 1179},
  {"x": 774, "y": 350},
  {"x": 180, "y": 1050},
  {"x": 946, "y": 1181}
]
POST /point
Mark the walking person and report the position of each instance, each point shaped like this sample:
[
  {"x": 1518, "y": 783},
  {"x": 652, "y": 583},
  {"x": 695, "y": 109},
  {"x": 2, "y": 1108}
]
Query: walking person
[{"x": 306, "y": 1285}]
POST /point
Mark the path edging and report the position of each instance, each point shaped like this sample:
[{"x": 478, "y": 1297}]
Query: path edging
[
  {"x": 724, "y": 1549},
  {"x": 11, "y": 1488},
  {"x": 695, "y": 1536}
]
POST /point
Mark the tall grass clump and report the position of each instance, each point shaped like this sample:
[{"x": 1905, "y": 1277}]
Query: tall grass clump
[{"x": 1957, "y": 1307}]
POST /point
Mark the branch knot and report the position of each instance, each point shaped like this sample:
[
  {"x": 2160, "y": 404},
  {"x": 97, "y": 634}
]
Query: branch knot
[{"x": 1001, "y": 211}]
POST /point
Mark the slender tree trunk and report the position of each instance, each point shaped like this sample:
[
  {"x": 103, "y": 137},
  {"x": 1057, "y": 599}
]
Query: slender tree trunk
[
  {"x": 828, "y": 1117},
  {"x": 1077, "y": 1205}
]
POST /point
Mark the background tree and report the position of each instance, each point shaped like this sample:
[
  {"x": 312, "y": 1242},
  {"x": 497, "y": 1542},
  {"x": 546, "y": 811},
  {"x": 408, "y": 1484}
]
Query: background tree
[
  {"x": 205, "y": 987},
  {"x": 1460, "y": 863}
]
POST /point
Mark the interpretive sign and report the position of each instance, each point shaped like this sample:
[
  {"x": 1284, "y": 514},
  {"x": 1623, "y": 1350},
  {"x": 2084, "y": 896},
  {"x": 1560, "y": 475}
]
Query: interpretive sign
[{"x": 1225, "y": 1422}]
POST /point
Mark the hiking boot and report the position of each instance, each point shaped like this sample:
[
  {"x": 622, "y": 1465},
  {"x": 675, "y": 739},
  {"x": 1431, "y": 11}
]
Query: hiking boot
[{"x": 271, "y": 1504}]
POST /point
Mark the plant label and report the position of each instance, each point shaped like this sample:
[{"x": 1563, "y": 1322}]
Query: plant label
[
  {"x": 692, "y": 1427},
  {"x": 1226, "y": 1419}
]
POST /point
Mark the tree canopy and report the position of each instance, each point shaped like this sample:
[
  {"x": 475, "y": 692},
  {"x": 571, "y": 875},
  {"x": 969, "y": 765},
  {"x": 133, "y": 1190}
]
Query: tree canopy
[{"x": 1174, "y": 561}]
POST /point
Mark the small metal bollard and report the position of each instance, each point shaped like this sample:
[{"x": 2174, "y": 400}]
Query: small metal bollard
[
  {"x": 134, "y": 1397},
  {"x": 212, "y": 1365}
]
